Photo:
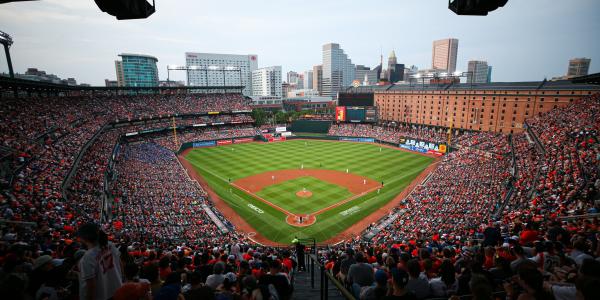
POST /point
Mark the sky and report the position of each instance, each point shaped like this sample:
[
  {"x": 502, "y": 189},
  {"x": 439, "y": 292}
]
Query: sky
[{"x": 525, "y": 40}]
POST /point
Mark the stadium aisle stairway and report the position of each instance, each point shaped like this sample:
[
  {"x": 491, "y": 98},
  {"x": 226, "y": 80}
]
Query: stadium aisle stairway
[{"x": 303, "y": 291}]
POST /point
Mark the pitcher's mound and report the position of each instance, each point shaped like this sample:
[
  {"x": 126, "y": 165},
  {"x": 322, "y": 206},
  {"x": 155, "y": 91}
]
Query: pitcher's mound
[{"x": 304, "y": 194}]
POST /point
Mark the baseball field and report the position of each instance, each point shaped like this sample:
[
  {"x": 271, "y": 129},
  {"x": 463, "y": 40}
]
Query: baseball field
[{"x": 305, "y": 188}]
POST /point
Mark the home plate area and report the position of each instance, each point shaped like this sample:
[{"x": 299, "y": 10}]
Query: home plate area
[{"x": 304, "y": 194}]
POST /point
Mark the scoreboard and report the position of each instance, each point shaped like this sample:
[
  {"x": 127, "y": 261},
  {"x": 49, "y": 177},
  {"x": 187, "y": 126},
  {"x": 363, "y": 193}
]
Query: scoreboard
[
  {"x": 356, "y": 114},
  {"x": 356, "y": 99}
]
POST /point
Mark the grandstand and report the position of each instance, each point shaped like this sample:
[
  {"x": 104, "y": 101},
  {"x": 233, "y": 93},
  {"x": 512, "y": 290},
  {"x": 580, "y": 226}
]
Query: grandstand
[{"x": 112, "y": 159}]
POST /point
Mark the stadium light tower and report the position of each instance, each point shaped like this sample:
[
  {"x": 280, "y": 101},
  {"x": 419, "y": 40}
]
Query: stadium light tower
[{"x": 7, "y": 41}]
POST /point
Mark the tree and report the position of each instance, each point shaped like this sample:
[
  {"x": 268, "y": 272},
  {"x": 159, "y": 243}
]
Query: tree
[{"x": 259, "y": 116}]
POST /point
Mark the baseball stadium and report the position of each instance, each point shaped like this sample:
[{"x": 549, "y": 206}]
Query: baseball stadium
[{"x": 230, "y": 181}]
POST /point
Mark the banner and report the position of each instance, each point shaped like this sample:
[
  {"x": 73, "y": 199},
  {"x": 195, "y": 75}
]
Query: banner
[
  {"x": 441, "y": 148},
  {"x": 131, "y": 133},
  {"x": 280, "y": 129},
  {"x": 287, "y": 133},
  {"x": 198, "y": 125},
  {"x": 360, "y": 140},
  {"x": 243, "y": 140},
  {"x": 224, "y": 142},
  {"x": 213, "y": 112},
  {"x": 340, "y": 113},
  {"x": 203, "y": 144}
]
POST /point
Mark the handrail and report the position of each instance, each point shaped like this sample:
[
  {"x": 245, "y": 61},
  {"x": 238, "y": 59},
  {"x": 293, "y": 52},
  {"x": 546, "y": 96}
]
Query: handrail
[
  {"x": 326, "y": 276},
  {"x": 576, "y": 217},
  {"x": 535, "y": 138}
]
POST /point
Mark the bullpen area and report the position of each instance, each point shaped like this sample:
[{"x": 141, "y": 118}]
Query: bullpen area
[{"x": 303, "y": 188}]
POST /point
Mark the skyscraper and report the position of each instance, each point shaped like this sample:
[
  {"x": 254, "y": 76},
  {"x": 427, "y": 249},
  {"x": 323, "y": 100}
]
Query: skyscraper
[
  {"x": 221, "y": 70},
  {"x": 267, "y": 82},
  {"x": 578, "y": 67},
  {"x": 478, "y": 71},
  {"x": 318, "y": 78},
  {"x": 308, "y": 79},
  {"x": 444, "y": 54},
  {"x": 137, "y": 70},
  {"x": 338, "y": 70},
  {"x": 395, "y": 71}
]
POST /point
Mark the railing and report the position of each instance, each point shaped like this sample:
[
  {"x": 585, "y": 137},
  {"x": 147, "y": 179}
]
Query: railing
[
  {"x": 326, "y": 277},
  {"x": 535, "y": 139}
]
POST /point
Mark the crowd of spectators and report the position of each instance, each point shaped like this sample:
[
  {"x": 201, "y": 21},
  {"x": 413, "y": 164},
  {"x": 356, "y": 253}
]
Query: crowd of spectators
[
  {"x": 453, "y": 235},
  {"x": 485, "y": 141}
]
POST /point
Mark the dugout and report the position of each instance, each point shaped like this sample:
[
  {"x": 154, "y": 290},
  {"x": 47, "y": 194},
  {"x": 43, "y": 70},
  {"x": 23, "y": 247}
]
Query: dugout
[{"x": 312, "y": 126}]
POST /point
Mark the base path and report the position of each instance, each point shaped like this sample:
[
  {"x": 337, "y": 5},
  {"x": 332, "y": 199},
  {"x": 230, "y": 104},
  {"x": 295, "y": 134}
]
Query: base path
[{"x": 356, "y": 184}]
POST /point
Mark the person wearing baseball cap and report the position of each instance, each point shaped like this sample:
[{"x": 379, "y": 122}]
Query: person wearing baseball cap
[{"x": 399, "y": 291}]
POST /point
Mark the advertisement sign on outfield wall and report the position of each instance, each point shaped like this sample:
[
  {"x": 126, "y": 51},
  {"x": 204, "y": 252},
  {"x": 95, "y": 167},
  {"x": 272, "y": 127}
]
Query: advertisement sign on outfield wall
[
  {"x": 340, "y": 113},
  {"x": 224, "y": 142},
  {"x": 203, "y": 144},
  {"x": 243, "y": 140},
  {"x": 362, "y": 140}
]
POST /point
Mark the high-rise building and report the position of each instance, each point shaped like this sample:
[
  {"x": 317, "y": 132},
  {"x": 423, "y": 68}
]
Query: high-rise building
[
  {"x": 267, "y": 82},
  {"x": 578, "y": 67},
  {"x": 318, "y": 78},
  {"x": 444, "y": 54},
  {"x": 213, "y": 69},
  {"x": 489, "y": 77},
  {"x": 295, "y": 79},
  {"x": 478, "y": 71},
  {"x": 395, "y": 71},
  {"x": 338, "y": 70},
  {"x": 365, "y": 74},
  {"x": 137, "y": 70},
  {"x": 119, "y": 72},
  {"x": 308, "y": 79}
]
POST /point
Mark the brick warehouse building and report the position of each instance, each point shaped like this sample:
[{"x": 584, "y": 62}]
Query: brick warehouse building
[{"x": 499, "y": 106}]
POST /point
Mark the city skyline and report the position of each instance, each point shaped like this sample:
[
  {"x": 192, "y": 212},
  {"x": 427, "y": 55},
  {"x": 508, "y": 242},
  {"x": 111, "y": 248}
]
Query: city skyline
[{"x": 524, "y": 41}]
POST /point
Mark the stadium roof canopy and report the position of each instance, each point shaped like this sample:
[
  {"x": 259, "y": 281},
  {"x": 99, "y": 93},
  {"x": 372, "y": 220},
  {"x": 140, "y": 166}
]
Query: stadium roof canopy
[
  {"x": 590, "y": 79},
  {"x": 24, "y": 85},
  {"x": 524, "y": 85}
]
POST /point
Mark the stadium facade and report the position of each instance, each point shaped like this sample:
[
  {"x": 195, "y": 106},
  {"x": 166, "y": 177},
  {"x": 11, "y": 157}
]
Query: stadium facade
[
  {"x": 498, "y": 107},
  {"x": 221, "y": 70}
]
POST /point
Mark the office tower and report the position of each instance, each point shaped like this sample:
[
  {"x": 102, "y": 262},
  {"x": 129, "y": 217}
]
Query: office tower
[
  {"x": 478, "y": 71},
  {"x": 318, "y": 78},
  {"x": 395, "y": 71},
  {"x": 444, "y": 54},
  {"x": 137, "y": 70},
  {"x": 578, "y": 67},
  {"x": 338, "y": 70},
  {"x": 308, "y": 80}
]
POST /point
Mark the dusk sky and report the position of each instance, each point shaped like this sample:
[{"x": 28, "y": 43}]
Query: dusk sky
[{"x": 525, "y": 40}]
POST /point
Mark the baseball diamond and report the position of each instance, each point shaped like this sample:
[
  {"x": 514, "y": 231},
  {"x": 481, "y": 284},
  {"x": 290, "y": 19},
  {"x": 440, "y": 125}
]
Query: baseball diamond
[{"x": 303, "y": 188}]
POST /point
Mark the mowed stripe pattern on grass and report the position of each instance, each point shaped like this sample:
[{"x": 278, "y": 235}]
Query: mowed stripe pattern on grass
[
  {"x": 323, "y": 194},
  {"x": 220, "y": 164}
]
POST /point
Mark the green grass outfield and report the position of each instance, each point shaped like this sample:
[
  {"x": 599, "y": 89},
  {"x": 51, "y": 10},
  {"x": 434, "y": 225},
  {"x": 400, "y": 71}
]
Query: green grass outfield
[{"x": 218, "y": 164}]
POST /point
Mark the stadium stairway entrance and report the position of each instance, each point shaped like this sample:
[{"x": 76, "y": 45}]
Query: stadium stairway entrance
[{"x": 308, "y": 287}]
